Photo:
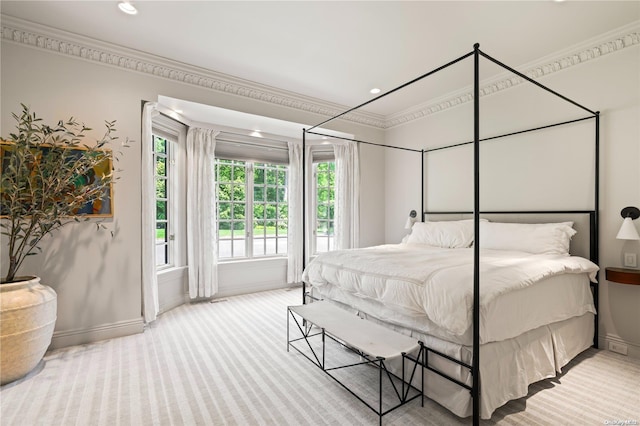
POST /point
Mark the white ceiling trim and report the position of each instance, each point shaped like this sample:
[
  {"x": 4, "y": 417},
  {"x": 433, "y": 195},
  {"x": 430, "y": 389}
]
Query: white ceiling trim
[
  {"x": 64, "y": 43},
  {"x": 46, "y": 38},
  {"x": 610, "y": 42}
]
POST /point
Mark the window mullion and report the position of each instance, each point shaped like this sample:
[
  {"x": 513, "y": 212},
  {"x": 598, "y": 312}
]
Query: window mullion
[{"x": 248, "y": 214}]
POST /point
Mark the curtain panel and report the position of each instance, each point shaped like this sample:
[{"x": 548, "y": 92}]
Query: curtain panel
[
  {"x": 201, "y": 213},
  {"x": 150, "y": 304},
  {"x": 347, "y": 189},
  {"x": 294, "y": 238}
]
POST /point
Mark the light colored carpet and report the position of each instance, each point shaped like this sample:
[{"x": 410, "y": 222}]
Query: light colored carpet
[{"x": 226, "y": 364}]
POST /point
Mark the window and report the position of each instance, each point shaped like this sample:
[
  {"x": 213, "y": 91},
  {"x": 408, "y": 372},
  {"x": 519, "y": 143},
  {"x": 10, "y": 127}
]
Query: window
[
  {"x": 168, "y": 145},
  {"x": 251, "y": 209},
  {"x": 231, "y": 204},
  {"x": 270, "y": 212},
  {"x": 162, "y": 150},
  {"x": 324, "y": 196}
]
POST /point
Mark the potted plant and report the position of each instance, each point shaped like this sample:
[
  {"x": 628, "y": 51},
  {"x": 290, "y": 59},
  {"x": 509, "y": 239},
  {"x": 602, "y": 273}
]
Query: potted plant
[{"x": 49, "y": 178}]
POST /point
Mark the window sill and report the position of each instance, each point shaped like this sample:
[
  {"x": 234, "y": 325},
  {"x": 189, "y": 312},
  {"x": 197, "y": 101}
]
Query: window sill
[
  {"x": 254, "y": 260},
  {"x": 171, "y": 270}
]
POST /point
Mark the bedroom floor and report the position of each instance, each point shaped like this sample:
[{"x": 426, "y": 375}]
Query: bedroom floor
[{"x": 226, "y": 363}]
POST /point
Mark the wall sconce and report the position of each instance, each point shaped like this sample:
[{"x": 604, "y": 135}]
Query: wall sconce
[
  {"x": 628, "y": 230},
  {"x": 410, "y": 220}
]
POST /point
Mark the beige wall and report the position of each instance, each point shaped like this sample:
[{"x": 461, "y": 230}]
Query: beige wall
[
  {"x": 98, "y": 278},
  {"x": 553, "y": 173}
]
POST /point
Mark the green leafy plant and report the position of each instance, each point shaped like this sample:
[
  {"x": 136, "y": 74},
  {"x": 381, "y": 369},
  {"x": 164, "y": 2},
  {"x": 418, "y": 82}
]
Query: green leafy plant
[{"x": 48, "y": 178}]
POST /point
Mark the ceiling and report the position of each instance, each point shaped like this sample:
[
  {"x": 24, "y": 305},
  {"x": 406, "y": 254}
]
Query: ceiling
[{"x": 337, "y": 51}]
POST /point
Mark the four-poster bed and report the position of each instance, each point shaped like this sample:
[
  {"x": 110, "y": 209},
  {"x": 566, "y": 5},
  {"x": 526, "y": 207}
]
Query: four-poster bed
[{"x": 494, "y": 377}]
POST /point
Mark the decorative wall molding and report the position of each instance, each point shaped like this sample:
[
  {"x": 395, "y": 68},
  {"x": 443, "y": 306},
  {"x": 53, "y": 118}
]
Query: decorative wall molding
[
  {"x": 604, "y": 44},
  {"x": 45, "y": 38}
]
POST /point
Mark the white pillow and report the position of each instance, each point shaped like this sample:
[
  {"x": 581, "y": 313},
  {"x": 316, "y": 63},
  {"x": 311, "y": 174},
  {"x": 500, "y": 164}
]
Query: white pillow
[
  {"x": 446, "y": 234},
  {"x": 537, "y": 238}
]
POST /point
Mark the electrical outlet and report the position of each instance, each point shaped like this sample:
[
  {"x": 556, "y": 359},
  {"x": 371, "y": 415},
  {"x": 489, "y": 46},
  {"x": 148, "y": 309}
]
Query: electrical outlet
[
  {"x": 620, "y": 348},
  {"x": 630, "y": 260}
]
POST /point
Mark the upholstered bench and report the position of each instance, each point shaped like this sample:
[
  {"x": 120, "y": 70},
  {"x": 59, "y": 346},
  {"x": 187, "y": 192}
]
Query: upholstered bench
[{"x": 372, "y": 342}]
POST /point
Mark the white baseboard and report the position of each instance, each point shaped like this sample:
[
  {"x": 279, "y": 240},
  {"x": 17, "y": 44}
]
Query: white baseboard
[
  {"x": 633, "y": 349},
  {"x": 251, "y": 288},
  {"x": 62, "y": 339},
  {"x": 176, "y": 301}
]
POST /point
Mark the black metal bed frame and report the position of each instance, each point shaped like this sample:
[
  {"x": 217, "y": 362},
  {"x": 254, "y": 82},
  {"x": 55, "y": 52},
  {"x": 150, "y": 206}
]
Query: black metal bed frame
[{"x": 593, "y": 214}]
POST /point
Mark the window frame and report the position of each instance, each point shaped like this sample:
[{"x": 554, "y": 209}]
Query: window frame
[
  {"x": 249, "y": 206},
  {"x": 330, "y": 205},
  {"x": 319, "y": 154},
  {"x": 168, "y": 176},
  {"x": 175, "y": 133},
  {"x": 277, "y": 204}
]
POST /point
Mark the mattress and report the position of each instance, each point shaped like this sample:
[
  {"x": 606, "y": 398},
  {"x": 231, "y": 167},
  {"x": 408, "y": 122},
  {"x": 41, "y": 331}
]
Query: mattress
[{"x": 429, "y": 289}]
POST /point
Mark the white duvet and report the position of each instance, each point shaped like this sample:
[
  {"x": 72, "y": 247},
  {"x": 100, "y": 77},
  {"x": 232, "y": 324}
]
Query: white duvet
[{"x": 421, "y": 280}]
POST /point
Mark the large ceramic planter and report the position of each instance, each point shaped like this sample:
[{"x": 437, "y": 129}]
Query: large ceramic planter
[{"x": 27, "y": 319}]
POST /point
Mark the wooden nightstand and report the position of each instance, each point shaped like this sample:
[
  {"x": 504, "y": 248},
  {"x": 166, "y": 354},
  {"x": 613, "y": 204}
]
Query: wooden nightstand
[{"x": 623, "y": 275}]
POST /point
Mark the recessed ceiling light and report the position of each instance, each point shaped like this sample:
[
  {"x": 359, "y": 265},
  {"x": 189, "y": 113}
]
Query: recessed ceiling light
[
  {"x": 127, "y": 8},
  {"x": 374, "y": 91},
  {"x": 256, "y": 133}
]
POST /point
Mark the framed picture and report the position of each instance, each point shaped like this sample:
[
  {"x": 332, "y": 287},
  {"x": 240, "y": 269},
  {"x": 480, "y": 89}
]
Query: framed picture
[{"x": 103, "y": 207}]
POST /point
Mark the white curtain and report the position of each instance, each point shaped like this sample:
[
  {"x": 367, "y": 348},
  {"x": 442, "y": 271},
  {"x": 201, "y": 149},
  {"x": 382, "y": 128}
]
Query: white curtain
[
  {"x": 201, "y": 213},
  {"x": 150, "y": 305},
  {"x": 347, "y": 206},
  {"x": 308, "y": 200},
  {"x": 294, "y": 239}
]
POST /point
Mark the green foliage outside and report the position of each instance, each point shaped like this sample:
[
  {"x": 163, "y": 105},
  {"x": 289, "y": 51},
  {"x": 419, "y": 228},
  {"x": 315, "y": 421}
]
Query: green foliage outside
[
  {"x": 161, "y": 157},
  {"x": 325, "y": 202},
  {"x": 270, "y": 210},
  {"x": 269, "y": 197}
]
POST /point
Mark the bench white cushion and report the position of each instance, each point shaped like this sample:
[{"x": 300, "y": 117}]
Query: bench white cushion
[{"x": 366, "y": 336}]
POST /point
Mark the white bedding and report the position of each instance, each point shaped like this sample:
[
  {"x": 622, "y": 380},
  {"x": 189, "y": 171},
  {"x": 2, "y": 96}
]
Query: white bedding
[{"x": 430, "y": 289}]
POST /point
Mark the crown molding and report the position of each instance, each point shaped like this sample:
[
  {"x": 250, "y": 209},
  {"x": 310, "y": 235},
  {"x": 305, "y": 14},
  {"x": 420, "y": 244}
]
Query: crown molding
[
  {"x": 42, "y": 37},
  {"x": 604, "y": 44}
]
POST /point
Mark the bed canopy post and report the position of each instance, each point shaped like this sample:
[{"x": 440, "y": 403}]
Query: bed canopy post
[
  {"x": 475, "y": 366},
  {"x": 422, "y": 183},
  {"x": 304, "y": 210},
  {"x": 595, "y": 250}
]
